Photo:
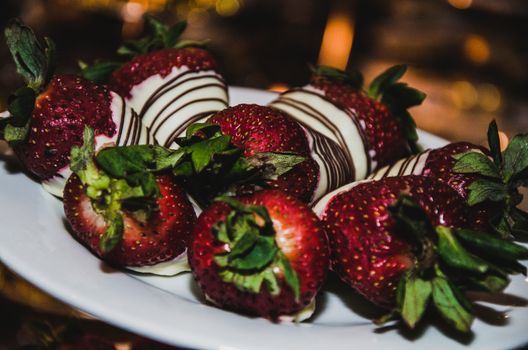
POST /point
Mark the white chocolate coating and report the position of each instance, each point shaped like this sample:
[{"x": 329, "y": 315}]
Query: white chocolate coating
[
  {"x": 168, "y": 105},
  {"x": 172, "y": 267},
  {"x": 336, "y": 136},
  {"x": 413, "y": 165}
]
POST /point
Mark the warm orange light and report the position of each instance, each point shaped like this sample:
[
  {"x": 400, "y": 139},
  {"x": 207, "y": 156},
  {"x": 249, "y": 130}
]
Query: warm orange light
[
  {"x": 337, "y": 41},
  {"x": 504, "y": 140},
  {"x": 477, "y": 49},
  {"x": 227, "y": 7},
  {"x": 490, "y": 98},
  {"x": 278, "y": 87},
  {"x": 132, "y": 12},
  {"x": 460, "y": 4},
  {"x": 463, "y": 94}
]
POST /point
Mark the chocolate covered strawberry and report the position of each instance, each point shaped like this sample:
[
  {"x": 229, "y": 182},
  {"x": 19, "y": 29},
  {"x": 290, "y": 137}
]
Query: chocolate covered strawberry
[
  {"x": 353, "y": 132},
  {"x": 257, "y": 130},
  {"x": 407, "y": 244},
  {"x": 264, "y": 255},
  {"x": 125, "y": 215},
  {"x": 48, "y": 116},
  {"x": 487, "y": 179},
  {"x": 170, "y": 83}
]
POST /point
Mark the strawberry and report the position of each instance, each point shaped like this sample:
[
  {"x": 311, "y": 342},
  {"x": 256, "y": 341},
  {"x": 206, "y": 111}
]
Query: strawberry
[
  {"x": 406, "y": 242},
  {"x": 171, "y": 83},
  {"x": 258, "y": 129},
  {"x": 48, "y": 116},
  {"x": 130, "y": 219},
  {"x": 487, "y": 179},
  {"x": 354, "y": 132},
  {"x": 265, "y": 254}
]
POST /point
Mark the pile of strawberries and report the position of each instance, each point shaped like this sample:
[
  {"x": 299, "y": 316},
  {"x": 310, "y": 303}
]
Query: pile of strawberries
[{"x": 280, "y": 190}]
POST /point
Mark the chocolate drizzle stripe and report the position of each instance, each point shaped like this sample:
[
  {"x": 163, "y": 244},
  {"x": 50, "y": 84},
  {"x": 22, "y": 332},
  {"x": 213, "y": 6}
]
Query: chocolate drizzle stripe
[
  {"x": 311, "y": 112},
  {"x": 404, "y": 165},
  {"x": 160, "y": 124},
  {"x": 161, "y": 90},
  {"x": 137, "y": 126},
  {"x": 166, "y": 87},
  {"x": 154, "y": 121},
  {"x": 320, "y": 150},
  {"x": 184, "y": 126},
  {"x": 426, "y": 153},
  {"x": 349, "y": 112},
  {"x": 130, "y": 126}
]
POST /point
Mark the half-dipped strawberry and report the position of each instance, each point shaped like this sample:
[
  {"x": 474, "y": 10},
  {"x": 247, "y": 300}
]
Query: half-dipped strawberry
[
  {"x": 487, "y": 179},
  {"x": 353, "y": 132},
  {"x": 138, "y": 220},
  {"x": 170, "y": 83},
  {"x": 48, "y": 116},
  {"x": 258, "y": 129},
  {"x": 406, "y": 242},
  {"x": 264, "y": 254}
]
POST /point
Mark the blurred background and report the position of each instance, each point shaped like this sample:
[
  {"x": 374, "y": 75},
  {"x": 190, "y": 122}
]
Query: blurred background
[{"x": 469, "y": 56}]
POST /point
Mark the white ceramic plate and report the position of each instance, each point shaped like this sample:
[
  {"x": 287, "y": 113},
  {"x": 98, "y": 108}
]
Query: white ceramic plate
[{"x": 36, "y": 244}]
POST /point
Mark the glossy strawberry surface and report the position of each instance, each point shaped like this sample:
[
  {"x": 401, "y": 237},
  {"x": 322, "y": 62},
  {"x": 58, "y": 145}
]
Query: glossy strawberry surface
[
  {"x": 368, "y": 253},
  {"x": 159, "y": 62},
  {"x": 257, "y": 129},
  {"x": 61, "y": 112},
  {"x": 299, "y": 235},
  {"x": 162, "y": 237}
]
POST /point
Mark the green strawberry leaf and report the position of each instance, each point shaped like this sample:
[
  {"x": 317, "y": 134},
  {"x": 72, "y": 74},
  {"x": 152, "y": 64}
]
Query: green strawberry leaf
[
  {"x": 482, "y": 190},
  {"x": 253, "y": 256},
  {"x": 494, "y": 143},
  {"x": 455, "y": 255},
  {"x": 273, "y": 164},
  {"x": 353, "y": 78},
  {"x": 447, "y": 302},
  {"x": 416, "y": 295},
  {"x": 385, "y": 79},
  {"x": 113, "y": 234},
  {"x": 100, "y": 71},
  {"x": 399, "y": 96},
  {"x": 491, "y": 282},
  {"x": 515, "y": 157},
  {"x": 83, "y": 155},
  {"x": 473, "y": 162},
  {"x": 491, "y": 245},
  {"x": 291, "y": 277},
  {"x": 202, "y": 153},
  {"x": 20, "y": 106},
  {"x": 34, "y": 62},
  {"x": 126, "y": 160}
]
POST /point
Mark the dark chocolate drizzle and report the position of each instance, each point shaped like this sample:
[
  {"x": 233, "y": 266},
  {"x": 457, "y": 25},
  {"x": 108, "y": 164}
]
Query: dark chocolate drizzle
[{"x": 170, "y": 85}]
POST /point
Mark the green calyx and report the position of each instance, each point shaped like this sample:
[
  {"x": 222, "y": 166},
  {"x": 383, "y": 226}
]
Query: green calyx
[
  {"x": 352, "y": 78},
  {"x": 112, "y": 193},
  {"x": 253, "y": 258},
  {"x": 35, "y": 63},
  {"x": 499, "y": 180},
  {"x": 448, "y": 262},
  {"x": 398, "y": 97},
  {"x": 159, "y": 36},
  {"x": 207, "y": 162}
]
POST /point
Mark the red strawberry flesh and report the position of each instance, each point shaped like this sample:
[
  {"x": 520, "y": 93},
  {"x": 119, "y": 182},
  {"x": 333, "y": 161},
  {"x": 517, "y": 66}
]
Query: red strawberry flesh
[
  {"x": 58, "y": 120},
  {"x": 298, "y": 234},
  {"x": 367, "y": 254},
  {"x": 159, "y": 62},
  {"x": 163, "y": 237},
  {"x": 257, "y": 129}
]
